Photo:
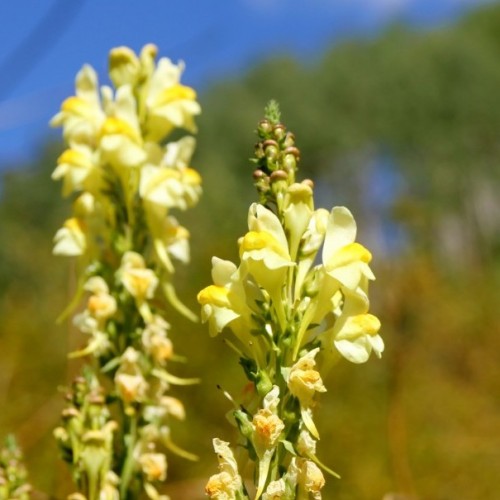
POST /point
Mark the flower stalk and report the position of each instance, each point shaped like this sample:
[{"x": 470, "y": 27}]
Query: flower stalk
[
  {"x": 291, "y": 318},
  {"x": 125, "y": 180}
]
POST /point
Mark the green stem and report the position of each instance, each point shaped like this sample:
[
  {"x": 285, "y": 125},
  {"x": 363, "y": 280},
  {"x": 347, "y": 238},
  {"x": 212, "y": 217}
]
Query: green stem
[{"x": 128, "y": 466}]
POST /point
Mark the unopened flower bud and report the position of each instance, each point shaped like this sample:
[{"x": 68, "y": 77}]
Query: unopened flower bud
[
  {"x": 293, "y": 151},
  {"x": 243, "y": 423},
  {"x": 124, "y": 66},
  {"x": 279, "y": 175},
  {"x": 271, "y": 149},
  {"x": 308, "y": 182},
  {"x": 264, "y": 127},
  {"x": 279, "y": 131},
  {"x": 258, "y": 174},
  {"x": 289, "y": 140},
  {"x": 290, "y": 163},
  {"x": 263, "y": 383},
  {"x": 259, "y": 151}
]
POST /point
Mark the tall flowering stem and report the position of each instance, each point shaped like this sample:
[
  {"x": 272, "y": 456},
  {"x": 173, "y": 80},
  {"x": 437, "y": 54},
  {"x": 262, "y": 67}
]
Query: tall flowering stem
[
  {"x": 289, "y": 318},
  {"x": 125, "y": 180}
]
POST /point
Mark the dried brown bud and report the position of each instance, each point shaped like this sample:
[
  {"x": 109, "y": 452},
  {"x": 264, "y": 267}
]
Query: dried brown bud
[
  {"x": 292, "y": 150},
  {"x": 279, "y": 175},
  {"x": 308, "y": 182},
  {"x": 258, "y": 174}
]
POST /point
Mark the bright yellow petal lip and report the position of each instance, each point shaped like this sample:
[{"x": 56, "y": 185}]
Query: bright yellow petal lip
[
  {"x": 76, "y": 105},
  {"x": 74, "y": 157},
  {"x": 114, "y": 125},
  {"x": 354, "y": 252},
  {"x": 258, "y": 240},
  {"x": 214, "y": 295},
  {"x": 177, "y": 92}
]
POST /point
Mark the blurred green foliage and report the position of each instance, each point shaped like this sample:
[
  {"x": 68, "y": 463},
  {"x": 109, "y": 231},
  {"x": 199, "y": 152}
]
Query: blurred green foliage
[{"x": 419, "y": 107}]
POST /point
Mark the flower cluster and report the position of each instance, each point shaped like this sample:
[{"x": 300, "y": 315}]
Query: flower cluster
[
  {"x": 13, "y": 475},
  {"x": 297, "y": 301},
  {"x": 125, "y": 180}
]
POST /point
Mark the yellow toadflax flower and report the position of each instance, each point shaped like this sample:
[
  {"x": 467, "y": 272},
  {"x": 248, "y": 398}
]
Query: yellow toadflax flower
[
  {"x": 227, "y": 484},
  {"x": 81, "y": 116},
  {"x": 139, "y": 281},
  {"x": 169, "y": 104},
  {"x": 304, "y": 381},
  {"x": 71, "y": 238}
]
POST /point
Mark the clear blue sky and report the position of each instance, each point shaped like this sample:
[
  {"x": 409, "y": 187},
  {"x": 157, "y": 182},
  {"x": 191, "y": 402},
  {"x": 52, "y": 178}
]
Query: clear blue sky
[{"x": 43, "y": 43}]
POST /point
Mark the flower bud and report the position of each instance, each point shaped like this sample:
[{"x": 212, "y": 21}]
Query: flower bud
[
  {"x": 263, "y": 383},
  {"x": 243, "y": 423},
  {"x": 289, "y": 140},
  {"x": 124, "y": 66},
  {"x": 279, "y": 131},
  {"x": 264, "y": 127},
  {"x": 271, "y": 149}
]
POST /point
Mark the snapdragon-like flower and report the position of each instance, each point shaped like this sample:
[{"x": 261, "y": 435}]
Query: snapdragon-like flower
[
  {"x": 71, "y": 240},
  {"x": 296, "y": 302},
  {"x": 303, "y": 382},
  {"x": 227, "y": 484}
]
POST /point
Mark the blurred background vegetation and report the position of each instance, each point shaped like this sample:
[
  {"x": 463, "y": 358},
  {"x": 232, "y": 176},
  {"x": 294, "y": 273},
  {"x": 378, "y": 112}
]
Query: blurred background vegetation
[{"x": 404, "y": 129}]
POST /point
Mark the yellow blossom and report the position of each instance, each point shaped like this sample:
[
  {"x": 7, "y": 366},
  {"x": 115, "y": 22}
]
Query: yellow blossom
[
  {"x": 171, "y": 182},
  {"x": 170, "y": 104},
  {"x": 81, "y": 115},
  {"x": 77, "y": 167},
  {"x": 345, "y": 260},
  {"x": 121, "y": 139},
  {"x": 139, "y": 281},
  {"x": 129, "y": 379},
  {"x": 153, "y": 466},
  {"x": 355, "y": 332},
  {"x": 310, "y": 479},
  {"x": 124, "y": 66},
  {"x": 71, "y": 239},
  {"x": 303, "y": 380},
  {"x": 265, "y": 255},
  {"x": 225, "y": 484}
]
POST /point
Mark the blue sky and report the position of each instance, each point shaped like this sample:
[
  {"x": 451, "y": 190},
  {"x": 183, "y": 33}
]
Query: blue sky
[{"x": 44, "y": 43}]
